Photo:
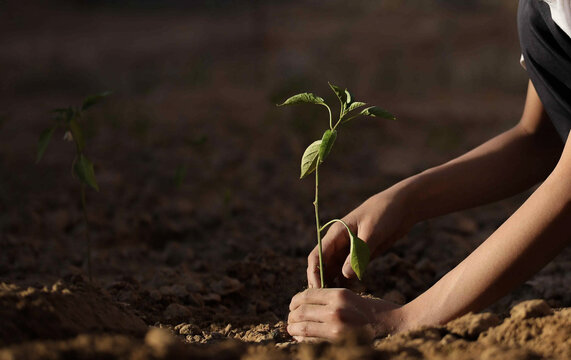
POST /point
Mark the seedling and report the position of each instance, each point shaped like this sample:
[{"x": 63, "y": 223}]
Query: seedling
[
  {"x": 315, "y": 155},
  {"x": 69, "y": 119}
]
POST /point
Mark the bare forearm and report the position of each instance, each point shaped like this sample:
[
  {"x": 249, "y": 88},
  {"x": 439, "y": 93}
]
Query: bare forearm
[
  {"x": 529, "y": 239},
  {"x": 503, "y": 166}
]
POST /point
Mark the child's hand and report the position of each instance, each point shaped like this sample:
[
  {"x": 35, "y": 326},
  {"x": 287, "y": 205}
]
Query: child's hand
[
  {"x": 379, "y": 221},
  {"x": 327, "y": 314}
]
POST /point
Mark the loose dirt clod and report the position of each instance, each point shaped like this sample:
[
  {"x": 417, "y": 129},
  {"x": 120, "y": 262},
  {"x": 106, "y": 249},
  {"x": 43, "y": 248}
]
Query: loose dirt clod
[{"x": 530, "y": 309}]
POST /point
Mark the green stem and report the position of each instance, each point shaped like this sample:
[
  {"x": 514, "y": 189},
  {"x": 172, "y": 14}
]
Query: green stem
[
  {"x": 330, "y": 116},
  {"x": 316, "y": 205},
  {"x": 332, "y": 221},
  {"x": 84, "y": 209},
  {"x": 341, "y": 118}
]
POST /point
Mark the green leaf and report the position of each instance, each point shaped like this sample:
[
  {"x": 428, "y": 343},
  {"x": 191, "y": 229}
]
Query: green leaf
[
  {"x": 310, "y": 158},
  {"x": 326, "y": 145},
  {"x": 308, "y": 98},
  {"x": 94, "y": 99},
  {"x": 83, "y": 168},
  {"x": 77, "y": 134},
  {"x": 378, "y": 112},
  {"x": 348, "y": 97},
  {"x": 43, "y": 142},
  {"x": 360, "y": 255},
  {"x": 359, "y": 250},
  {"x": 341, "y": 94},
  {"x": 356, "y": 105}
]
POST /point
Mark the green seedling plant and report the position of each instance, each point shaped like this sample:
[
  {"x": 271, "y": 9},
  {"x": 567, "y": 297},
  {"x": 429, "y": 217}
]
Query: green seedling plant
[
  {"x": 69, "y": 119},
  {"x": 317, "y": 152}
]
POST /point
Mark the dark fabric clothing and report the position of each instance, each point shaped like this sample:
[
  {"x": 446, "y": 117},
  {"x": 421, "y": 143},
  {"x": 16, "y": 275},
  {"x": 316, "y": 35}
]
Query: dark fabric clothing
[{"x": 546, "y": 51}]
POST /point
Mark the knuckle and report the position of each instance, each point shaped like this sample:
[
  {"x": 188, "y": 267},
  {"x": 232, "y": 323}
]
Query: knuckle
[
  {"x": 311, "y": 258},
  {"x": 304, "y": 330},
  {"x": 301, "y": 312},
  {"x": 337, "y": 330},
  {"x": 342, "y": 296},
  {"x": 336, "y": 228},
  {"x": 312, "y": 269},
  {"x": 336, "y": 315}
]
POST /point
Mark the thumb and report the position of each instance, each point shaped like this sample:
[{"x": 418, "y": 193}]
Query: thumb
[
  {"x": 347, "y": 269},
  {"x": 365, "y": 234}
]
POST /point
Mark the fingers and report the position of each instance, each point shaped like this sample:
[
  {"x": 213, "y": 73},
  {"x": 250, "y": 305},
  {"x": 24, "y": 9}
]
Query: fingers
[
  {"x": 308, "y": 339},
  {"x": 309, "y": 329},
  {"x": 333, "y": 244},
  {"x": 310, "y": 296},
  {"x": 318, "y": 314},
  {"x": 365, "y": 233},
  {"x": 309, "y": 312},
  {"x": 347, "y": 269},
  {"x": 313, "y": 279}
]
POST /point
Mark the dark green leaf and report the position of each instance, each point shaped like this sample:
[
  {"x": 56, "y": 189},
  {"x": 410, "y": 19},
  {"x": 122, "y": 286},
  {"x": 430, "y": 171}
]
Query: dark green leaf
[
  {"x": 43, "y": 142},
  {"x": 84, "y": 170},
  {"x": 326, "y": 145},
  {"x": 310, "y": 158},
  {"x": 355, "y": 105},
  {"x": 77, "y": 133},
  {"x": 94, "y": 99},
  {"x": 360, "y": 255},
  {"x": 341, "y": 95},
  {"x": 377, "y": 111},
  {"x": 308, "y": 98}
]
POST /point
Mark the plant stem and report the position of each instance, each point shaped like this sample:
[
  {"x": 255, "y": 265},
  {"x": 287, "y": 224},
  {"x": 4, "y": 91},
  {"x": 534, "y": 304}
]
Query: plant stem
[
  {"x": 332, "y": 221},
  {"x": 316, "y": 205},
  {"x": 84, "y": 209},
  {"x": 330, "y": 116}
]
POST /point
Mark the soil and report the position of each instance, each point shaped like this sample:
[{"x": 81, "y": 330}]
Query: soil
[{"x": 204, "y": 267}]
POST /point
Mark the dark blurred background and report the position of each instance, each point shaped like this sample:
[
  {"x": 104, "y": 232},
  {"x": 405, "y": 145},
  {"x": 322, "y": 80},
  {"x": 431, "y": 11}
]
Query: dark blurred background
[{"x": 190, "y": 148}]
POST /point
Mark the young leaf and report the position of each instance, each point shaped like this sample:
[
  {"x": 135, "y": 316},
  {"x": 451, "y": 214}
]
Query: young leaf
[
  {"x": 83, "y": 168},
  {"x": 348, "y": 97},
  {"x": 43, "y": 142},
  {"x": 326, "y": 145},
  {"x": 360, "y": 255},
  {"x": 310, "y": 158},
  {"x": 377, "y": 111},
  {"x": 355, "y": 105},
  {"x": 94, "y": 99},
  {"x": 77, "y": 133},
  {"x": 303, "y": 98},
  {"x": 341, "y": 95}
]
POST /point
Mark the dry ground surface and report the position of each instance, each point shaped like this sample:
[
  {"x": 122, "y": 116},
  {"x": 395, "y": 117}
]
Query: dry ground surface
[{"x": 205, "y": 269}]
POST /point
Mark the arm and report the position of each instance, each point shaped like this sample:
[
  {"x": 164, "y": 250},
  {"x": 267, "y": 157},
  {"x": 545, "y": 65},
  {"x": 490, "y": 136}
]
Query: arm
[
  {"x": 527, "y": 241},
  {"x": 519, "y": 248},
  {"x": 505, "y": 165}
]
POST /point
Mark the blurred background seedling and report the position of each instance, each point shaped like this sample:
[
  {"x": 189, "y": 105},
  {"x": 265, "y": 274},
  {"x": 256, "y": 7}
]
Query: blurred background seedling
[{"x": 69, "y": 119}]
